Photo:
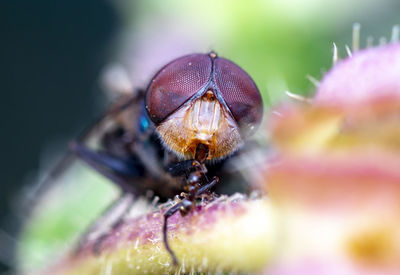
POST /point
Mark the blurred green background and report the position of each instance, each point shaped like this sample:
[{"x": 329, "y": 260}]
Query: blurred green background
[{"x": 53, "y": 54}]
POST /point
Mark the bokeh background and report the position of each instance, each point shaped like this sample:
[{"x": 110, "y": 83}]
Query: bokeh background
[{"x": 53, "y": 55}]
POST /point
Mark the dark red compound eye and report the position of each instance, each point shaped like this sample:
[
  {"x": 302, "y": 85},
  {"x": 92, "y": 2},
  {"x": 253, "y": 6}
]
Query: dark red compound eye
[
  {"x": 175, "y": 83},
  {"x": 186, "y": 76},
  {"x": 240, "y": 93}
]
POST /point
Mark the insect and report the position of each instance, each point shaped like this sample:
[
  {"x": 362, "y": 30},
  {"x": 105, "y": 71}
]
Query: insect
[{"x": 174, "y": 137}]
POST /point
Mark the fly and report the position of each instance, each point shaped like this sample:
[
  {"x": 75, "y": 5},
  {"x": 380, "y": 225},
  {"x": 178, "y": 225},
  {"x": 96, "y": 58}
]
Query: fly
[{"x": 172, "y": 138}]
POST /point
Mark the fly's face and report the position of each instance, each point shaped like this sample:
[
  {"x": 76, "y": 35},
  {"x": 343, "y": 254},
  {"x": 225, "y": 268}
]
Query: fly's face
[
  {"x": 203, "y": 99},
  {"x": 202, "y": 120}
]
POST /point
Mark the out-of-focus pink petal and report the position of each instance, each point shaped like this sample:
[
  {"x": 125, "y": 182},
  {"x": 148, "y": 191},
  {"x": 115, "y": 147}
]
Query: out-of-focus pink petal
[
  {"x": 336, "y": 175},
  {"x": 341, "y": 183},
  {"x": 373, "y": 125},
  {"x": 367, "y": 74},
  {"x": 340, "y": 214}
]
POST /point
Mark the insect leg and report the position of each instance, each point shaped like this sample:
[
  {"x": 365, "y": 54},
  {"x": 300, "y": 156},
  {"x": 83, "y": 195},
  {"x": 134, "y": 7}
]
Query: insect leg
[
  {"x": 182, "y": 167},
  {"x": 113, "y": 168},
  {"x": 108, "y": 220},
  {"x": 207, "y": 187},
  {"x": 119, "y": 171},
  {"x": 184, "y": 205},
  {"x": 93, "y": 130}
]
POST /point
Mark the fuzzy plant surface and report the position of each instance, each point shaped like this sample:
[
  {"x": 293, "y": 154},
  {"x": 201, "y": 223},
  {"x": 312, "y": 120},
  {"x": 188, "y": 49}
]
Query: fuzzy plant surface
[{"x": 329, "y": 202}]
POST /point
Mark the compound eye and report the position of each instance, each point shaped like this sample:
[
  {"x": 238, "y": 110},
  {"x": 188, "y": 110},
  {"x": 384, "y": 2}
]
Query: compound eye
[
  {"x": 240, "y": 94},
  {"x": 175, "y": 83}
]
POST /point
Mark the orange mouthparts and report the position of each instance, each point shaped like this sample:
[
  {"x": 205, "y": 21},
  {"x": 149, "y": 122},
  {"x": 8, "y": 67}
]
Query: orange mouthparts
[{"x": 203, "y": 120}]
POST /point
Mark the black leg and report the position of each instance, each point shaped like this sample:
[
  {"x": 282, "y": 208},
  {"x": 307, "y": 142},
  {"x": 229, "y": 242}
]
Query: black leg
[
  {"x": 207, "y": 187},
  {"x": 108, "y": 220},
  {"x": 182, "y": 167},
  {"x": 115, "y": 169},
  {"x": 69, "y": 158},
  {"x": 184, "y": 205}
]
